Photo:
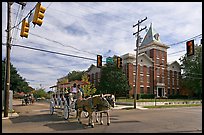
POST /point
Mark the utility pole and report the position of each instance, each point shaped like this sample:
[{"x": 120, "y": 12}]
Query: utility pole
[
  {"x": 8, "y": 50},
  {"x": 136, "y": 50}
]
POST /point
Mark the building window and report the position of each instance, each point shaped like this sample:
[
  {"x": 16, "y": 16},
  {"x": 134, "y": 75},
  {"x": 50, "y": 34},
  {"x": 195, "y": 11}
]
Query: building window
[
  {"x": 168, "y": 74},
  {"x": 148, "y": 78},
  {"x": 157, "y": 61},
  {"x": 141, "y": 90},
  {"x": 178, "y": 74},
  {"x": 157, "y": 79},
  {"x": 162, "y": 72},
  {"x": 157, "y": 52},
  {"x": 162, "y": 80},
  {"x": 177, "y": 92},
  {"x": 168, "y": 81},
  {"x": 173, "y": 81},
  {"x": 148, "y": 90},
  {"x": 147, "y": 70},
  {"x": 162, "y": 62},
  {"x": 158, "y": 72},
  {"x": 163, "y": 55},
  {"x": 141, "y": 78},
  {"x": 134, "y": 68},
  {"x": 168, "y": 92},
  {"x": 177, "y": 82},
  {"x": 172, "y": 91},
  {"x": 141, "y": 69}
]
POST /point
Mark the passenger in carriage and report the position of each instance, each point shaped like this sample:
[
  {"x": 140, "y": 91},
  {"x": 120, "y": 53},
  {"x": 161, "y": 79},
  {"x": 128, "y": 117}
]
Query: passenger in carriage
[{"x": 80, "y": 90}]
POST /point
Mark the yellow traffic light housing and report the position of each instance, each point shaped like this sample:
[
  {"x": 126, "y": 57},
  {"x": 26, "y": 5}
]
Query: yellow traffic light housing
[
  {"x": 190, "y": 47},
  {"x": 39, "y": 14},
  {"x": 99, "y": 61},
  {"x": 24, "y": 29},
  {"x": 119, "y": 62}
]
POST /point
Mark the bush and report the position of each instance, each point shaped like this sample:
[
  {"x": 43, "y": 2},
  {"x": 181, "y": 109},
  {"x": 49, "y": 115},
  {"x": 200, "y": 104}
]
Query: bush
[
  {"x": 146, "y": 96},
  {"x": 178, "y": 97}
]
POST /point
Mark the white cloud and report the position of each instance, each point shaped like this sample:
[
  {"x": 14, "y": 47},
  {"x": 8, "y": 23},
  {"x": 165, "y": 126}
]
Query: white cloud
[{"x": 103, "y": 28}]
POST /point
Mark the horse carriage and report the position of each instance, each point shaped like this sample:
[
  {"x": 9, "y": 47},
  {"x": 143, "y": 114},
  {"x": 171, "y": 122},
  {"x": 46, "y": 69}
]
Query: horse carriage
[
  {"x": 64, "y": 102},
  {"x": 98, "y": 103},
  {"x": 27, "y": 99}
]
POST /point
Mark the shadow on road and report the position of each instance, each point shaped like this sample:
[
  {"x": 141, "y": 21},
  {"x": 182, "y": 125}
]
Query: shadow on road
[
  {"x": 35, "y": 118},
  {"x": 62, "y": 126}
]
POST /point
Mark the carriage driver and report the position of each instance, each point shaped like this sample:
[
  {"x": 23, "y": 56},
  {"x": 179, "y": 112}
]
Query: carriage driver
[{"x": 74, "y": 90}]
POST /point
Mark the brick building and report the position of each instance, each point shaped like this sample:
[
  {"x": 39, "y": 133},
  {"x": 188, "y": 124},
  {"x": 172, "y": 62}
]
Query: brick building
[{"x": 155, "y": 75}]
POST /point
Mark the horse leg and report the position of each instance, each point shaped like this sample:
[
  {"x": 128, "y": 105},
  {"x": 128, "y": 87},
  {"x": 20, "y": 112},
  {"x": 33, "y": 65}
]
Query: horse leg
[
  {"x": 79, "y": 115},
  {"x": 108, "y": 118},
  {"x": 91, "y": 120},
  {"x": 96, "y": 115},
  {"x": 101, "y": 118}
]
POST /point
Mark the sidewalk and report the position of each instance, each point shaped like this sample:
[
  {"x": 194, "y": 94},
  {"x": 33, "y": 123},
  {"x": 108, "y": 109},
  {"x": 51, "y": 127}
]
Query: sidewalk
[
  {"x": 10, "y": 115},
  {"x": 123, "y": 105},
  {"x": 128, "y": 107}
]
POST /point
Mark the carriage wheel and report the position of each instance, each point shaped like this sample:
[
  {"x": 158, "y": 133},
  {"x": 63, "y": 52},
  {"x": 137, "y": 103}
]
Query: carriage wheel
[
  {"x": 51, "y": 109},
  {"x": 86, "y": 114},
  {"x": 66, "y": 112}
]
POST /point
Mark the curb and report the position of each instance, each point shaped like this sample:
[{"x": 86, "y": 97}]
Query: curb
[{"x": 10, "y": 116}]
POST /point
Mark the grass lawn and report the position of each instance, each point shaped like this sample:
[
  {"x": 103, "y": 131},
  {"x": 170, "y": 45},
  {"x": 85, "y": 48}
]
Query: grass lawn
[
  {"x": 157, "y": 100},
  {"x": 172, "y": 106}
]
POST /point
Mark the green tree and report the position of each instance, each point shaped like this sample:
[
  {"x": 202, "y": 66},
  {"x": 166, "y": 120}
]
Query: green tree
[
  {"x": 192, "y": 72},
  {"x": 113, "y": 81},
  {"x": 88, "y": 88},
  {"x": 39, "y": 93},
  {"x": 17, "y": 83},
  {"x": 75, "y": 75}
]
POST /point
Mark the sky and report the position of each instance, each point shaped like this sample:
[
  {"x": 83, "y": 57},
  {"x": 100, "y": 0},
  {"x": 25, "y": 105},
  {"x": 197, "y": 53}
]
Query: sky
[{"x": 88, "y": 29}]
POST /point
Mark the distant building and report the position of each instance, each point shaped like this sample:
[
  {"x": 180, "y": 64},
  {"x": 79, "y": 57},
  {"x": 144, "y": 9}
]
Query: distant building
[{"x": 155, "y": 75}]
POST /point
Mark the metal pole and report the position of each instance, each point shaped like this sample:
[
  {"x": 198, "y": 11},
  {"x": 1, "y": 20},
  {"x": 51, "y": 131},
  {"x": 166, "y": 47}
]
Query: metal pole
[
  {"x": 155, "y": 97},
  {"x": 7, "y": 69}
]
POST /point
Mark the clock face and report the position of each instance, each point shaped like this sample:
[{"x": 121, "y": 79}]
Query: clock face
[{"x": 156, "y": 36}]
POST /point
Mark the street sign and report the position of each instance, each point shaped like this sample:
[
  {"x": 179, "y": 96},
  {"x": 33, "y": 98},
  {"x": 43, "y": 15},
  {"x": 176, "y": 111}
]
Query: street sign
[{"x": 109, "y": 60}]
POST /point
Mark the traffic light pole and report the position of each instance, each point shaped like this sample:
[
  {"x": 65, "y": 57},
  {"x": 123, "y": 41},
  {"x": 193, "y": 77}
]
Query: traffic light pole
[
  {"x": 7, "y": 69},
  {"x": 136, "y": 50}
]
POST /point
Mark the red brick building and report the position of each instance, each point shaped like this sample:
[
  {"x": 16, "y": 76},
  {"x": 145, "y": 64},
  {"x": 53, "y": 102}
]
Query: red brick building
[{"x": 155, "y": 75}]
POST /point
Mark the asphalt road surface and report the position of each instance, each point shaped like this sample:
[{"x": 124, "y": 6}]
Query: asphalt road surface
[{"x": 36, "y": 118}]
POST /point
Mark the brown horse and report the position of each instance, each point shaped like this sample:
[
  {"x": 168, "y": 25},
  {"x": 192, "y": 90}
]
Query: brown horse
[{"x": 90, "y": 105}]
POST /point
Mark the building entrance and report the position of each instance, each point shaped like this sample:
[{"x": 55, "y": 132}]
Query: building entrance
[{"x": 160, "y": 92}]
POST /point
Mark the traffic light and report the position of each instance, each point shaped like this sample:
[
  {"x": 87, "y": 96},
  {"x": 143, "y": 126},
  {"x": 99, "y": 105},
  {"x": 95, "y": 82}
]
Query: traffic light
[
  {"x": 39, "y": 14},
  {"x": 99, "y": 61},
  {"x": 119, "y": 62},
  {"x": 24, "y": 29},
  {"x": 190, "y": 47}
]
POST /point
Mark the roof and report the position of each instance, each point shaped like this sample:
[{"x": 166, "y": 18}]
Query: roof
[
  {"x": 151, "y": 36},
  {"x": 170, "y": 63},
  {"x": 146, "y": 56}
]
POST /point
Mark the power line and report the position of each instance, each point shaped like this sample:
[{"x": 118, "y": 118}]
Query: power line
[
  {"x": 176, "y": 52},
  {"x": 22, "y": 19},
  {"x": 185, "y": 40},
  {"x": 60, "y": 43},
  {"x": 51, "y": 52}
]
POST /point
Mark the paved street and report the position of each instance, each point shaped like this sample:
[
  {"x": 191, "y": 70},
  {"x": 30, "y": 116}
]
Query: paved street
[{"x": 35, "y": 118}]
